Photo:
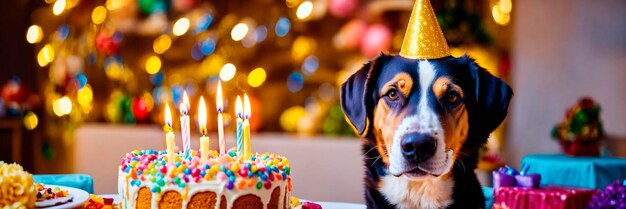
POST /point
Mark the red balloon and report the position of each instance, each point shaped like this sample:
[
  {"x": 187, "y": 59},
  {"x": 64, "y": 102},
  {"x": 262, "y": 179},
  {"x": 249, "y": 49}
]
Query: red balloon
[{"x": 377, "y": 38}]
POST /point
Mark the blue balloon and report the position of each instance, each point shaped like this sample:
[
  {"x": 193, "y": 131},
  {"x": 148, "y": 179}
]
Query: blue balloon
[{"x": 282, "y": 27}]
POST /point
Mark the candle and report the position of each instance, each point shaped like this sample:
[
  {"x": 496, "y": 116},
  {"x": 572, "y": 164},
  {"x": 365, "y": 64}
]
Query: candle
[
  {"x": 220, "y": 120},
  {"x": 204, "y": 140},
  {"x": 247, "y": 110},
  {"x": 239, "y": 114},
  {"x": 169, "y": 136},
  {"x": 184, "y": 125}
]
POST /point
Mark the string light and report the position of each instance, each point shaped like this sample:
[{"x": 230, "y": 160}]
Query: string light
[
  {"x": 153, "y": 64},
  {"x": 239, "y": 32},
  {"x": 162, "y": 44},
  {"x": 34, "y": 34},
  {"x": 501, "y": 12},
  {"x": 62, "y": 106},
  {"x": 228, "y": 72},
  {"x": 30, "y": 121},
  {"x": 45, "y": 55},
  {"x": 58, "y": 7},
  {"x": 257, "y": 77},
  {"x": 180, "y": 27},
  {"x": 304, "y": 10},
  {"x": 98, "y": 15}
]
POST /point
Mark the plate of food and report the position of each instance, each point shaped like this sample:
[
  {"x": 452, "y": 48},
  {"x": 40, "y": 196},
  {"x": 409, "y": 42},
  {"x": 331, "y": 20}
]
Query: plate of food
[{"x": 57, "y": 197}]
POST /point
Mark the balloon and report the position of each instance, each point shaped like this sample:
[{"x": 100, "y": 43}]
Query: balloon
[
  {"x": 377, "y": 38},
  {"x": 139, "y": 109},
  {"x": 342, "y": 8}
]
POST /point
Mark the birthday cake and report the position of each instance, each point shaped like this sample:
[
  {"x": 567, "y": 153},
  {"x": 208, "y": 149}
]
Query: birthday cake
[{"x": 146, "y": 180}]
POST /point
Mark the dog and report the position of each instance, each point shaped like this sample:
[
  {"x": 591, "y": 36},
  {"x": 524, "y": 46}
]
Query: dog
[{"x": 424, "y": 122}]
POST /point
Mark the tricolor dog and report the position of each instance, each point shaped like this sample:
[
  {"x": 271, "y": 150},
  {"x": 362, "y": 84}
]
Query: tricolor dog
[{"x": 424, "y": 121}]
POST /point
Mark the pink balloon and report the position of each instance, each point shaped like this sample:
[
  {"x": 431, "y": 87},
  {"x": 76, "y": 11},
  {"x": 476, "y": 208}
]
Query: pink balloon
[
  {"x": 342, "y": 8},
  {"x": 377, "y": 38}
]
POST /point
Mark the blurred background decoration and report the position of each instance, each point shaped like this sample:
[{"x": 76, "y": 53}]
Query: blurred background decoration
[{"x": 120, "y": 61}]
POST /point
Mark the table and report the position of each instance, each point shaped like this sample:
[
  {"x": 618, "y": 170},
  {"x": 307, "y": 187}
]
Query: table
[
  {"x": 325, "y": 205},
  {"x": 582, "y": 172}
]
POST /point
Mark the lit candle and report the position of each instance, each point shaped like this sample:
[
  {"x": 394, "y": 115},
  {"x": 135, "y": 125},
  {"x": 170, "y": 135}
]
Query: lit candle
[
  {"x": 239, "y": 114},
  {"x": 169, "y": 136},
  {"x": 220, "y": 120},
  {"x": 204, "y": 140},
  {"x": 184, "y": 125},
  {"x": 247, "y": 111}
]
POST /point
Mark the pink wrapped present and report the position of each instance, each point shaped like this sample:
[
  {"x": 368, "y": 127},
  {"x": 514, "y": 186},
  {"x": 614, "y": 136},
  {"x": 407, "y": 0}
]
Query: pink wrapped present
[{"x": 548, "y": 197}]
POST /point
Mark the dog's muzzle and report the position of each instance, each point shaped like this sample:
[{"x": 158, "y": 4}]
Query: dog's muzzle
[{"x": 417, "y": 147}]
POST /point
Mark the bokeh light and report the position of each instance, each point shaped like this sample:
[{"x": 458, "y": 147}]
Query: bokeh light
[
  {"x": 228, "y": 72},
  {"x": 30, "y": 120},
  {"x": 282, "y": 27},
  {"x": 63, "y": 32},
  {"x": 302, "y": 47},
  {"x": 85, "y": 98},
  {"x": 153, "y": 64},
  {"x": 180, "y": 26},
  {"x": 62, "y": 106},
  {"x": 295, "y": 82},
  {"x": 34, "y": 34},
  {"x": 239, "y": 32},
  {"x": 304, "y": 10},
  {"x": 98, "y": 15},
  {"x": 261, "y": 33},
  {"x": 310, "y": 65},
  {"x": 116, "y": 4},
  {"x": 203, "y": 23},
  {"x": 45, "y": 55},
  {"x": 162, "y": 44},
  {"x": 290, "y": 117},
  {"x": 207, "y": 46},
  {"x": 58, "y": 7},
  {"x": 506, "y": 6},
  {"x": 326, "y": 92},
  {"x": 256, "y": 77}
]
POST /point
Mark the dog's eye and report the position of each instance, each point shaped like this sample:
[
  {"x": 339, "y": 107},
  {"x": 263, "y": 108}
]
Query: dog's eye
[
  {"x": 392, "y": 94},
  {"x": 452, "y": 97}
]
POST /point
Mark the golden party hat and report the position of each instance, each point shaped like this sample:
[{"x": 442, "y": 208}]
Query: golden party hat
[{"x": 424, "y": 38}]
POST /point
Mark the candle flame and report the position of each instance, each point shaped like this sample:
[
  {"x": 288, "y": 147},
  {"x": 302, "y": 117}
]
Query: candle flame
[
  {"x": 247, "y": 110},
  {"x": 202, "y": 116},
  {"x": 168, "y": 116},
  {"x": 238, "y": 108},
  {"x": 219, "y": 103},
  {"x": 184, "y": 106}
]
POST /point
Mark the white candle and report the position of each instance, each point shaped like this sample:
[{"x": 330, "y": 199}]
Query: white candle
[
  {"x": 184, "y": 125},
  {"x": 220, "y": 120},
  {"x": 204, "y": 140},
  {"x": 169, "y": 136},
  {"x": 239, "y": 113}
]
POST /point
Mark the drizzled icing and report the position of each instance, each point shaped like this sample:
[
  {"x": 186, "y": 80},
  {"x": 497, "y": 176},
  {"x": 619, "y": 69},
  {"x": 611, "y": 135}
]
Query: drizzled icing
[{"x": 225, "y": 175}]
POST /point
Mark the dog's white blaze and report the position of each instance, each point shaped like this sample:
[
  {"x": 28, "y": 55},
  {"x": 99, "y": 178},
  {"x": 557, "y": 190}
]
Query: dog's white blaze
[
  {"x": 425, "y": 121},
  {"x": 426, "y": 193}
]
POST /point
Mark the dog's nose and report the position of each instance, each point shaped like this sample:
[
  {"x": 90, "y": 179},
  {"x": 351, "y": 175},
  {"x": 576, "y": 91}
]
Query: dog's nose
[{"x": 418, "y": 147}]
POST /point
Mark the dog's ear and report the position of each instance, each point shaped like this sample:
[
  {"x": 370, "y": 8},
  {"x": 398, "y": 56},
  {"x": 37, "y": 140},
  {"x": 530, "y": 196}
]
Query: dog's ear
[
  {"x": 492, "y": 96},
  {"x": 355, "y": 100}
]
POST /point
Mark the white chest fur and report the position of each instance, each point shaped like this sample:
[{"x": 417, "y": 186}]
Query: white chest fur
[{"x": 425, "y": 193}]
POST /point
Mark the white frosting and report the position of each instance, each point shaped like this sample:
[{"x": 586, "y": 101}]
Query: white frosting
[{"x": 214, "y": 185}]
